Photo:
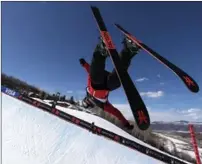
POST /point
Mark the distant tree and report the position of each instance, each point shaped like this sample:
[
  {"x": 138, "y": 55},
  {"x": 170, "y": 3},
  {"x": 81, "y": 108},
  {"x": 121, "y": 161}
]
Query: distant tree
[
  {"x": 62, "y": 98},
  {"x": 71, "y": 100},
  {"x": 53, "y": 97},
  {"x": 57, "y": 96},
  {"x": 46, "y": 96},
  {"x": 42, "y": 95}
]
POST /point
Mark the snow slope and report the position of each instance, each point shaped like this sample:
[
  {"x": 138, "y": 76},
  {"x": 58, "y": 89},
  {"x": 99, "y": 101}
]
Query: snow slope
[
  {"x": 31, "y": 136},
  {"x": 106, "y": 125},
  {"x": 182, "y": 146}
]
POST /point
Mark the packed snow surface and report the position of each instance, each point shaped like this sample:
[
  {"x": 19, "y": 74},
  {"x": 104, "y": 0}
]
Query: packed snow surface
[
  {"x": 182, "y": 146},
  {"x": 32, "y": 136}
]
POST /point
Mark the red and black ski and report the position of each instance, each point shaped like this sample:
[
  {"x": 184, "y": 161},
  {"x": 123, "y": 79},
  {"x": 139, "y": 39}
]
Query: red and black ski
[
  {"x": 137, "y": 105},
  {"x": 188, "y": 81}
]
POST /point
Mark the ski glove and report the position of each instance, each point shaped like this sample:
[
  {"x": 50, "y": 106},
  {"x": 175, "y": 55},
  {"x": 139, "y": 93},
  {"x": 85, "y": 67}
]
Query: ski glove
[{"x": 82, "y": 61}]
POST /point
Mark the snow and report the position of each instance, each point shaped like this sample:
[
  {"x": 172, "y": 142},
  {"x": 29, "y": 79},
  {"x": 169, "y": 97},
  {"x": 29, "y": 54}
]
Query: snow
[
  {"x": 181, "y": 146},
  {"x": 45, "y": 102},
  {"x": 32, "y": 136},
  {"x": 106, "y": 125},
  {"x": 176, "y": 141},
  {"x": 48, "y": 101}
]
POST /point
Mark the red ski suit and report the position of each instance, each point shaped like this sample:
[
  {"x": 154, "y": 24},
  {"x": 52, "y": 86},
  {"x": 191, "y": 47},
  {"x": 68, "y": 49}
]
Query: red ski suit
[{"x": 102, "y": 94}]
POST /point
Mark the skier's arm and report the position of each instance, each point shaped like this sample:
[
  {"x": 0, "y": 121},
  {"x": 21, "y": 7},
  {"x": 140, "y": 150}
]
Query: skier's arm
[
  {"x": 85, "y": 64},
  {"x": 87, "y": 67}
]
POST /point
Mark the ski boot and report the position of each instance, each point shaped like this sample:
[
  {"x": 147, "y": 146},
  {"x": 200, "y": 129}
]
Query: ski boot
[
  {"x": 86, "y": 103},
  {"x": 131, "y": 46},
  {"x": 101, "y": 47}
]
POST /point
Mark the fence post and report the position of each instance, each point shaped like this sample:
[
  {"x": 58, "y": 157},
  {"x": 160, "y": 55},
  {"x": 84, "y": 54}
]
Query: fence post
[{"x": 194, "y": 143}]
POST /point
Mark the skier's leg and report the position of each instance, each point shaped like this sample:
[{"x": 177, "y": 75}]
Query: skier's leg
[
  {"x": 128, "y": 52},
  {"x": 97, "y": 67},
  {"x": 113, "y": 81},
  {"x": 109, "y": 108}
]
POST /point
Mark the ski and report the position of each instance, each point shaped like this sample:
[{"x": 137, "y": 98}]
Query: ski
[
  {"x": 136, "y": 103},
  {"x": 188, "y": 81}
]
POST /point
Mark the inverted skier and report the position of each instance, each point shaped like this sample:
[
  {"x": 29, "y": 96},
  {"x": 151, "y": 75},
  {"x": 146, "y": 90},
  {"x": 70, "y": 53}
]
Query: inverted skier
[{"x": 101, "y": 82}]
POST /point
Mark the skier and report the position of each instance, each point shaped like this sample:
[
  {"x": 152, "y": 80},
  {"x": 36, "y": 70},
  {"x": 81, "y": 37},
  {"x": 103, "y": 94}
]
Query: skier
[{"x": 101, "y": 82}]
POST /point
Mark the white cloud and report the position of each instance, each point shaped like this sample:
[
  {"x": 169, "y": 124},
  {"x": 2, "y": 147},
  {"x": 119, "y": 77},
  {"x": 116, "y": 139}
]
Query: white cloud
[
  {"x": 152, "y": 94},
  {"x": 162, "y": 83},
  {"x": 191, "y": 110},
  {"x": 141, "y": 79},
  {"x": 80, "y": 92},
  {"x": 194, "y": 113},
  {"x": 191, "y": 114},
  {"x": 159, "y": 76}
]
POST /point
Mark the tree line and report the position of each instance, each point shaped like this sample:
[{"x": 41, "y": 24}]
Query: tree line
[{"x": 30, "y": 90}]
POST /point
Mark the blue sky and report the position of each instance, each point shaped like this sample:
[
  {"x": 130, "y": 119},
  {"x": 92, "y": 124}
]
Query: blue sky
[{"x": 43, "y": 41}]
